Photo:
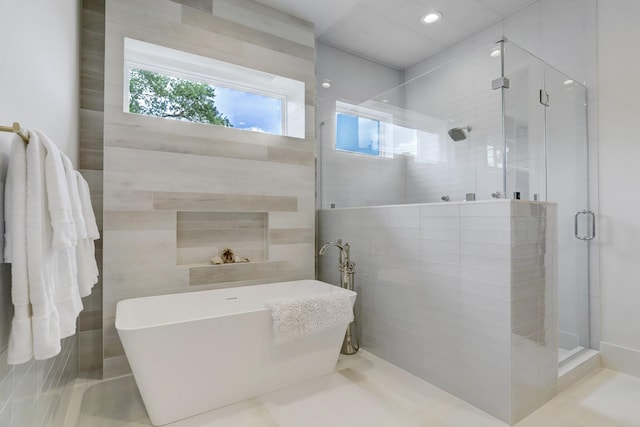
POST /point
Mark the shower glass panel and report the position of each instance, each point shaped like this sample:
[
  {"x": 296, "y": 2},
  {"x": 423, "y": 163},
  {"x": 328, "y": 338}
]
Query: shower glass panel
[
  {"x": 418, "y": 161},
  {"x": 496, "y": 122},
  {"x": 567, "y": 185},
  {"x": 457, "y": 97},
  {"x": 546, "y": 139},
  {"x": 524, "y": 117}
]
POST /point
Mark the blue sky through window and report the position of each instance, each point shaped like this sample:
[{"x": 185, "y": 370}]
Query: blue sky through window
[
  {"x": 357, "y": 134},
  {"x": 250, "y": 111}
]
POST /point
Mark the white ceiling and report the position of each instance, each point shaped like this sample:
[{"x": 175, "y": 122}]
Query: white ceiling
[{"x": 390, "y": 32}]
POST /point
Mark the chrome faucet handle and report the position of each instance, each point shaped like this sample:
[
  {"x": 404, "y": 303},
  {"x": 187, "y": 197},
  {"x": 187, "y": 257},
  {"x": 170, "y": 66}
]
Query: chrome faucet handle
[{"x": 351, "y": 267}]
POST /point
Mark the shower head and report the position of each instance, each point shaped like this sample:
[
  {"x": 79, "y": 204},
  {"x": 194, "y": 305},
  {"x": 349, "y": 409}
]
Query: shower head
[{"x": 459, "y": 134}]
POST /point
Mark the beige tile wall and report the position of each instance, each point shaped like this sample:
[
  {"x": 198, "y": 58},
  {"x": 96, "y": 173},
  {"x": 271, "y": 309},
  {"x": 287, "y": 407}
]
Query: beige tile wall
[
  {"x": 203, "y": 235},
  {"x": 163, "y": 179},
  {"x": 90, "y": 164}
]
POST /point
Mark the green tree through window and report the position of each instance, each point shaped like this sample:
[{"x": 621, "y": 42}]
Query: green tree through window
[{"x": 154, "y": 94}]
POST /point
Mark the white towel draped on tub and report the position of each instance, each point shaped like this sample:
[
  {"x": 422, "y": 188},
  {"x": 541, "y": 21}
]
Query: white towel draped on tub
[
  {"x": 298, "y": 317},
  {"x": 46, "y": 233}
]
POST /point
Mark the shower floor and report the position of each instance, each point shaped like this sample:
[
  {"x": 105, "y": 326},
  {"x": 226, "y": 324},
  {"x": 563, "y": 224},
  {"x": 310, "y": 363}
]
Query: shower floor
[
  {"x": 565, "y": 354},
  {"x": 365, "y": 391}
]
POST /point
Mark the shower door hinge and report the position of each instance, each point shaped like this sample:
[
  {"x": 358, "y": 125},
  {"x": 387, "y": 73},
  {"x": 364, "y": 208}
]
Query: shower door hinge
[
  {"x": 499, "y": 83},
  {"x": 544, "y": 97}
]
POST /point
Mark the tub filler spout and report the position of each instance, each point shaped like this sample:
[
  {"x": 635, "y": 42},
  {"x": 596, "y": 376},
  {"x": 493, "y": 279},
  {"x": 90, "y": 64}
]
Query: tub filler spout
[{"x": 347, "y": 270}]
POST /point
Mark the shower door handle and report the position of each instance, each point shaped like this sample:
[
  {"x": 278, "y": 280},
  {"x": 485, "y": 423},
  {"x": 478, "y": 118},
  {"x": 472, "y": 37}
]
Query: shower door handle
[{"x": 593, "y": 225}]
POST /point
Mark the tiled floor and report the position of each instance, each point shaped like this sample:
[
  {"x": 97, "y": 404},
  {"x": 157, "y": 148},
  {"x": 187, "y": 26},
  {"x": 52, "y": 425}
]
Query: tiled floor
[{"x": 367, "y": 392}]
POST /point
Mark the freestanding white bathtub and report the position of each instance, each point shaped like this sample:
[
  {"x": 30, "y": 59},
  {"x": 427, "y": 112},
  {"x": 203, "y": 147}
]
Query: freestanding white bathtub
[{"x": 194, "y": 352}]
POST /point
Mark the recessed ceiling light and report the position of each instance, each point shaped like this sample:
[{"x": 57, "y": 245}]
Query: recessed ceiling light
[
  {"x": 496, "y": 52},
  {"x": 326, "y": 84},
  {"x": 568, "y": 82},
  {"x": 431, "y": 17}
]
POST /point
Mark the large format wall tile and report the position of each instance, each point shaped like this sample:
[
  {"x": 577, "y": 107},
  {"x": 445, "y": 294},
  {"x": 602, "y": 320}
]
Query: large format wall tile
[
  {"x": 460, "y": 294},
  {"x": 91, "y": 122},
  {"x": 177, "y": 193}
]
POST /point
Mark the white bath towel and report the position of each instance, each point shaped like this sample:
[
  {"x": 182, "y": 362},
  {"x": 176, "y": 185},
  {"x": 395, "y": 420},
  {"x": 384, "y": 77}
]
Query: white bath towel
[
  {"x": 40, "y": 256},
  {"x": 4, "y": 161},
  {"x": 74, "y": 196},
  {"x": 67, "y": 294},
  {"x": 17, "y": 165},
  {"x": 2, "y": 217},
  {"x": 87, "y": 209},
  {"x": 298, "y": 317},
  {"x": 62, "y": 196},
  {"x": 66, "y": 291},
  {"x": 20, "y": 349},
  {"x": 87, "y": 266},
  {"x": 57, "y": 193}
]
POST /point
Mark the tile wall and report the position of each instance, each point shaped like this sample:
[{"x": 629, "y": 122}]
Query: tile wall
[
  {"x": 176, "y": 192},
  {"x": 618, "y": 156},
  {"x": 460, "y": 294},
  {"x": 534, "y": 306},
  {"x": 90, "y": 164}
]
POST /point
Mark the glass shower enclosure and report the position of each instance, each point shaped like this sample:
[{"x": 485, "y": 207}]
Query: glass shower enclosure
[
  {"x": 495, "y": 123},
  {"x": 546, "y": 134}
]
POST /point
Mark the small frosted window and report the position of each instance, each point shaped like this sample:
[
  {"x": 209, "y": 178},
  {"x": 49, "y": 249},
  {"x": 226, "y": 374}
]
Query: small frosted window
[{"x": 358, "y": 134}]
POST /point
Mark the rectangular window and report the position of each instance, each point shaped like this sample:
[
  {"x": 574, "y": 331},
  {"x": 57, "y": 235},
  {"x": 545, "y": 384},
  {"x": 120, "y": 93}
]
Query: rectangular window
[
  {"x": 173, "y": 84},
  {"x": 372, "y": 131},
  {"x": 357, "y": 134},
  {"x": 363, "y": 130}
]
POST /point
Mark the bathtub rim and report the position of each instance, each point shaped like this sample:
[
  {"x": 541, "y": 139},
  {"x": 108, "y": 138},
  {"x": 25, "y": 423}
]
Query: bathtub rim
[{"x": 120, "y": 327}]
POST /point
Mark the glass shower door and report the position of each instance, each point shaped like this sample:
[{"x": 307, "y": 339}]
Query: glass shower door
[
  {"x": 547, "y": 159},
  {"x": 568, "y": 186}
]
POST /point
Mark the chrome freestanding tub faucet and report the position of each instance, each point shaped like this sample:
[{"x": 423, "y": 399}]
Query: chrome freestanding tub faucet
[{"x": 347, "y": 272}]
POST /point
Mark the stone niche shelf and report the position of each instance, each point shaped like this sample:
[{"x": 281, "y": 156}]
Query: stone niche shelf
[
  {"x": 203, "y": 235},
  {"x": 200, "y": 274}
]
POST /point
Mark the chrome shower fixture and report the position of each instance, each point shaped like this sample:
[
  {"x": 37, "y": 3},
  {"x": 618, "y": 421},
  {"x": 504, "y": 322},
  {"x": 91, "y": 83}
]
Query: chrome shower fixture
[
  {"x": 459, "y": 134},
  {"x": 347, "y": 270}
]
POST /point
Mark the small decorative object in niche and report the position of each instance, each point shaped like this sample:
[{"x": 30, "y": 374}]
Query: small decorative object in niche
[{"x": 228, "y": 257}]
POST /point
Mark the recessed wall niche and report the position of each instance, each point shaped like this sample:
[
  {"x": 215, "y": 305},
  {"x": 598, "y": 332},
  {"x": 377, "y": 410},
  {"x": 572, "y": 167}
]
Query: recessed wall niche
[{"x": 203, "y": 235}]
